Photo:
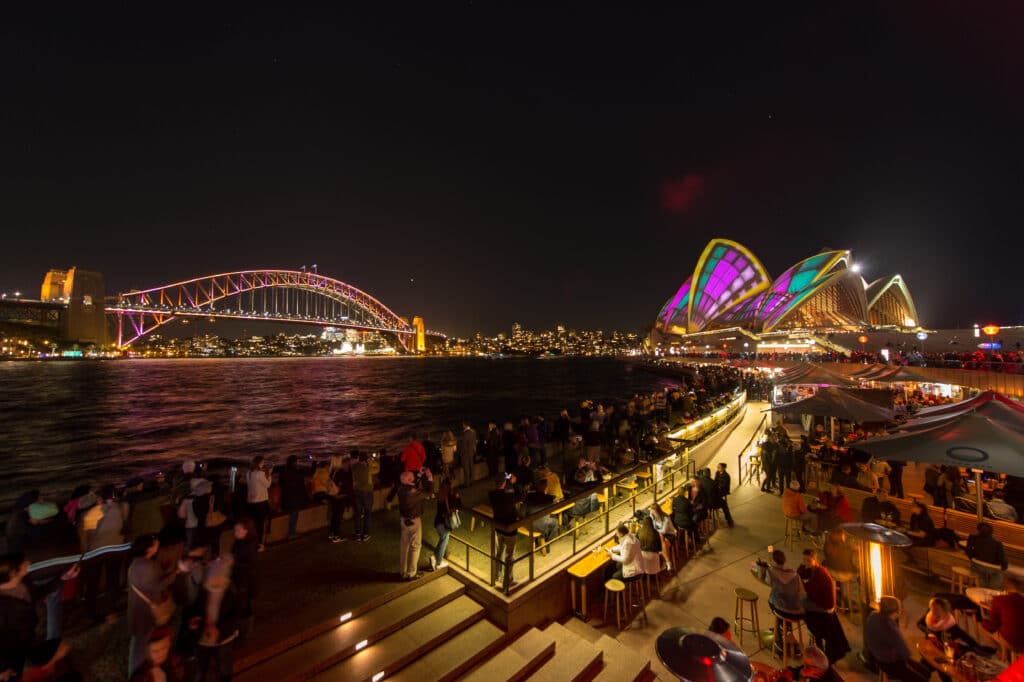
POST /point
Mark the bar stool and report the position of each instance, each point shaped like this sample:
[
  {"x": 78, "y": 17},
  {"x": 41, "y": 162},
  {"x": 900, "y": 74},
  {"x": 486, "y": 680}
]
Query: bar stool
[
  {"x": 793, "y": 627},
  {"x": 844, "y": 592},
  {"x": 635, "y": 590},
  {"x": 794, "y": 530},
  {"x": 743, "y": 622},
  {"x": 652, "y": 580},
  {"x": 689, "y": 545},
  {"x": 961, "y": 579},
  {"x": 618, "y": 588}
]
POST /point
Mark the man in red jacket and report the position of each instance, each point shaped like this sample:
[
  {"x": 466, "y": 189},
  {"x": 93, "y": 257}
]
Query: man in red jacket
[
  {"x": 1006, "y": 615},
  {"x": 820, "y": 614},
  {"x": 414, "y": 456}
]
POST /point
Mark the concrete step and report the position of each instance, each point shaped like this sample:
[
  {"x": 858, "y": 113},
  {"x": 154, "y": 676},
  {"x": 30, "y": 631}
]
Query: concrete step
[
  {"x": 516, "y": 661},
  {"x": 575, "y": 659},
  {"x": 416, "y": 639},
  {"x": 581, "y": 629},
  {"x": 621, "y": 664},
  {"x": 454, "y": 657},
  {"x": 322, "y": 651}
]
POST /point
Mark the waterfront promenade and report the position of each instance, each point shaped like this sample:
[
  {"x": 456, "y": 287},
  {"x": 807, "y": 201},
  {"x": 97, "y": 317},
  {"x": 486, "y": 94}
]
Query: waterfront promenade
[{"x": 309, "y": 581}]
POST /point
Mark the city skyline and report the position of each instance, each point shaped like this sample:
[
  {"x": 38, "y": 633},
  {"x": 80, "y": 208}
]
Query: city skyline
[{"x": 478, "y": 165}]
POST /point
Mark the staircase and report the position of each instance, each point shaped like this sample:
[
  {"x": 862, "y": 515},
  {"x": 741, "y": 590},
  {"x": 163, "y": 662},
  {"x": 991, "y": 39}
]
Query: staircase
[{"x": 434, "y": 631}]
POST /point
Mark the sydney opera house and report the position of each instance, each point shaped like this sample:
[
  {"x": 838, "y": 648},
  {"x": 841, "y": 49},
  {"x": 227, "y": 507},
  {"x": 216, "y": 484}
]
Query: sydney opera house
[{"x": 730, "y": 289}]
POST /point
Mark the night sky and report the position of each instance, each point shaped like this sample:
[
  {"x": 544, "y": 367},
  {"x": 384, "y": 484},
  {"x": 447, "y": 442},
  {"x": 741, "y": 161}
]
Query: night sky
[{"x": 481, "y": 164}]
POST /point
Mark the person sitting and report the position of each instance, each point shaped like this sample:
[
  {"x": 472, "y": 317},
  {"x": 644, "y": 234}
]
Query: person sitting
[
  {"x": 627, "y": 561},
  {"x": 816, "y": 667},
  {"x": 869, "y": 509},
  {"x": 787, "y": 594},
  {"x": 1006, "y": 614},
  {"x": 836, "y": 503},
  {"x": 794, "y": 507},
  {"x": 820, "y": 606},
  {"x": 650, "y": 545},
  {"x": 884, "y": 643},
  {"x": 922, "y": 528},
  {"x": 988, "y": 560},
  {"x": 682, "y": 516},
  {"x": 887, "y": 511},
  {"x": 939, "y": 620},
  {"x": 786, "y": 598},
  {"x": 663, "y": 524}
]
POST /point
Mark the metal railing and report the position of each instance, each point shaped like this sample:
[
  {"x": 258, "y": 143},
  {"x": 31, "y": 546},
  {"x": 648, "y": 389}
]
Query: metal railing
[{"x": 667, "y": 472}]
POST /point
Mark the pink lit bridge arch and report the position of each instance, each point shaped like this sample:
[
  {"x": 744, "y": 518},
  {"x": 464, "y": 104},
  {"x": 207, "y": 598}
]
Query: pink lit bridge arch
[{"x": 295, "y": 296}]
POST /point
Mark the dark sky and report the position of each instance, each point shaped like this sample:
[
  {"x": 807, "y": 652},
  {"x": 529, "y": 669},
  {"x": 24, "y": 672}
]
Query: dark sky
[{"x": 545, "y": 164}]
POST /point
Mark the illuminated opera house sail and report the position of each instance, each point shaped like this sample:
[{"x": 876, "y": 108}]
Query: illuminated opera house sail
[{"x": 730, "y": 288}]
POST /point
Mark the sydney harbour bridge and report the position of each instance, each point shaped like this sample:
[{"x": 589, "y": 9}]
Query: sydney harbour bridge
[{"x": 70, "y": 303}]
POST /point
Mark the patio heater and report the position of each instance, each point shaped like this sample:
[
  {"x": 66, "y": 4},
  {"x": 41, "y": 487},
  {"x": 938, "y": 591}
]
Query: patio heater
[{"x": 875, "y": 567}]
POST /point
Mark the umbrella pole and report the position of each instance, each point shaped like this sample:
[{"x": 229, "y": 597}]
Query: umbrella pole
[{"x": 978, "y": 496}]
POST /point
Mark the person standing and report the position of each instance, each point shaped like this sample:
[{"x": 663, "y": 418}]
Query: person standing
[
  {"x": 18, "y": 616},
  {"x": 257, "y": 496},
  {"x": 412, "y": 493},
  {"x": 449, "y": 446},
  {"x": 820, "y": 603},
  {"x": 146, "y": 586},
  {"x": 896, "y": 478},
  {"x": 414, "y": 456},
  {"x": 492, "y": 448},
  {"x": 503, "y": 502},
  {"x": 988, "y": 559},
  {"x": 362, "y": 490},
  {"x": 104, "y": 526},
  {"x": 293, "y": 492},
  {"x": 443, "y": 522},
  {"x": 723, "y": 484},
  {"x": 467, "y": 451}
]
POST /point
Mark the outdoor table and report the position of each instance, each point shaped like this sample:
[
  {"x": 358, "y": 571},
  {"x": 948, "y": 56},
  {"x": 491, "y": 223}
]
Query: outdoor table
[
  {"x": 580, "y": 572},
  {"x": 982, "y": 596},
  {"x": 985, "y": 668}
]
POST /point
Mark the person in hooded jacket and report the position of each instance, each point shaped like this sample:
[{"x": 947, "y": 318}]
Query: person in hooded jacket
[{"x": 786, "y": 598}]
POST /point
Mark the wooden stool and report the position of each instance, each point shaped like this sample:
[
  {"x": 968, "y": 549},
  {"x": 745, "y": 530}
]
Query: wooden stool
[
  {"x": 689, "y": 544},
  {"x": 652, "y": 580},
  {"x": 538, "y": 539},
  {"x": 784, "y": 626},
  {"x": 618, "y": 588},
  {"x": 635, "y": 589},
  {"x": 961, "y": 579},
  {"x": 882, "y": 677},
  {"x": 844, "y": 592},
  {"x": 746, "y": 623},
  {"x": 794, "y": 530}
]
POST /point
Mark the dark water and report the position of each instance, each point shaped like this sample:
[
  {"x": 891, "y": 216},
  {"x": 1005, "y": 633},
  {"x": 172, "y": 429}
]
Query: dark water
[{"x": 63, "y": 423}]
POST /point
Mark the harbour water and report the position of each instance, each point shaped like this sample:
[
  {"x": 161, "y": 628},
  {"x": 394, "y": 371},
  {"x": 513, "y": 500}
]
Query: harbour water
[{"x": 63, "y": 423}]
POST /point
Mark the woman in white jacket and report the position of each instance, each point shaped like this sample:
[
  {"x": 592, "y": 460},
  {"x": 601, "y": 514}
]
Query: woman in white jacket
[{"x": 627, "y": 554}]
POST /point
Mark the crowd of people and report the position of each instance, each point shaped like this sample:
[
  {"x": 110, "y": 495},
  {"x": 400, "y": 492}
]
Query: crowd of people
[{"x": 188, "y": 543}]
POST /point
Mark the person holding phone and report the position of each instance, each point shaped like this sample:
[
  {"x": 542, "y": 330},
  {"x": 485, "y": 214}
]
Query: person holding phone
[{"x": 257, "y": 495}]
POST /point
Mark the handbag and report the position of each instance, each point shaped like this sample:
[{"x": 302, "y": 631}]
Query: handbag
[
  {"x": 455, "y": 520},
  {"x": 215, "y": 518},
  {"x": 162, "y": 611}
]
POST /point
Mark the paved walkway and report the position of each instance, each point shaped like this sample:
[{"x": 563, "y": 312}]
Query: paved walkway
[{"x": 704, "y": 587}]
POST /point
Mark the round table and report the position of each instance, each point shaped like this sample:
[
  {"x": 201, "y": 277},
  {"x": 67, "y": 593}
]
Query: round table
[{"x": 982, "y": 596}]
